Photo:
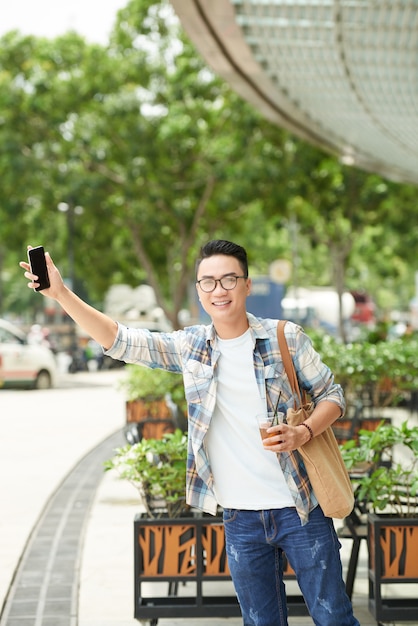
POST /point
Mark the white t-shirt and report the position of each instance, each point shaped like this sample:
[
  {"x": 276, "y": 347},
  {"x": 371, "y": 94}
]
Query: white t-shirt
[{"x": 246, "y": 476}]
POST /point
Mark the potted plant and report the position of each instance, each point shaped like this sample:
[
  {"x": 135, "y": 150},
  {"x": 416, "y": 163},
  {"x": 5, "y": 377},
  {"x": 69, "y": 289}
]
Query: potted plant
[
  {"x": 155, "y": 402},
  {"x": 172, "y": 543},
  {"x": 380, "y": 373},
  {"x": 388, "y": 487},
  {"x": 374, "y": 376},
  {"x": 157, "y": 469}
]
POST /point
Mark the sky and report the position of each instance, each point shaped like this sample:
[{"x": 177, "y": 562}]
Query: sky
[{"x": 49, "y": 18}]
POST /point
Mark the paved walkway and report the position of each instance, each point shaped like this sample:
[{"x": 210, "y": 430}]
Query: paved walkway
[{"x": 104, "y": 567}]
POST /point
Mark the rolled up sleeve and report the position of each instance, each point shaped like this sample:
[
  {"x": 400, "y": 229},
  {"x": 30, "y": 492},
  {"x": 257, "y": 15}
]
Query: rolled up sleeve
[
  {"x": 152, "y": 349},
  {"x": 314, "y": 376}
]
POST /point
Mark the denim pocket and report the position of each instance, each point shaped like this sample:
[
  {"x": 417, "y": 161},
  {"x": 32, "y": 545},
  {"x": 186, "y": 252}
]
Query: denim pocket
[{"x": 229, "y": 515}]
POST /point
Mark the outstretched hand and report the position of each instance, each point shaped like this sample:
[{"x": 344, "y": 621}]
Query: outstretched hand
[
  {"x": 56, "y": 282},
  {"x": 99, "y": 326}
]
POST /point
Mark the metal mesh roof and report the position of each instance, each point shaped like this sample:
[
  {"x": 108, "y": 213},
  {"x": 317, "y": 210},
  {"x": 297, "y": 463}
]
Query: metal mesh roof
[{"x": 342, "y": 74}]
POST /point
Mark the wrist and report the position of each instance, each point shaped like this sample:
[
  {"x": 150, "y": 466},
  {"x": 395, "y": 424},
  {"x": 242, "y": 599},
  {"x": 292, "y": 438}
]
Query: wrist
[
  {"x": 62, "y": 294},
  {"x": 308, "y": 429}
]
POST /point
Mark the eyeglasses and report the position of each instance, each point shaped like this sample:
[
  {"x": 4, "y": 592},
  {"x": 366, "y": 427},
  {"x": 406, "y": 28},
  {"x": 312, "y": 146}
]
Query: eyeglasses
[{"x": 226, "y": 282}]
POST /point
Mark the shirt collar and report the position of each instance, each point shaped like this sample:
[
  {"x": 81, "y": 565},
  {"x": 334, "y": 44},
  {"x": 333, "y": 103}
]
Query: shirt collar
[{"x": 258, "y": 331}]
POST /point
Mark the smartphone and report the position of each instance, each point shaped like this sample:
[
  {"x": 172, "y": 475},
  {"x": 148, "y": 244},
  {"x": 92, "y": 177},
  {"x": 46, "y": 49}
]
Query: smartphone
[{"x": 37, "y": 262}]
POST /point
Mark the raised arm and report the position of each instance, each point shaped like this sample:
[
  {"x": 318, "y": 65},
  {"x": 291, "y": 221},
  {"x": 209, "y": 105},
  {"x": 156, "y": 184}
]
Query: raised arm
[{"x": 98, "y": 325}]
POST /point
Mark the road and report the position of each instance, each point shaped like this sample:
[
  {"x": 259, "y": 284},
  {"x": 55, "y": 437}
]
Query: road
[{"x": 42, "y": 435}]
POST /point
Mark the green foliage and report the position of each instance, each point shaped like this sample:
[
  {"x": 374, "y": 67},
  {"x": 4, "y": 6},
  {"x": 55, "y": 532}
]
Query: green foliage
[
  {"x": 159, "y": 152},
  {"x": 143, "y": 382},
  {"x": 157, "y": 468},
  {"x": 163, "y": 155},
  {"x": 388, "y": 486},
  {"x": 384, "y": 371}
]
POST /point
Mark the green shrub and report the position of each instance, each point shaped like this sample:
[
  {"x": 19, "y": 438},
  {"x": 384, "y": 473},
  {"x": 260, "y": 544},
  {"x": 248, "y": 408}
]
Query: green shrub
[
  {"x": 150, "y": 384},
  {"x": 385, "y": 484},
  {"x": 157, "y": 469},
  {"x": 385, "y": 371}
]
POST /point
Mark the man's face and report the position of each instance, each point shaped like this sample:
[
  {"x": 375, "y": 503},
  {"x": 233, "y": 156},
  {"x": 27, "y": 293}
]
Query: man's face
[{"x": 223, "y": 305}]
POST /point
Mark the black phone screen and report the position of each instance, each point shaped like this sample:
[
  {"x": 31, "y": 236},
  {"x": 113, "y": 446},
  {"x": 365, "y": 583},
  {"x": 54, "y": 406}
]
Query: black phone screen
[{"x": 38, "y": 266}]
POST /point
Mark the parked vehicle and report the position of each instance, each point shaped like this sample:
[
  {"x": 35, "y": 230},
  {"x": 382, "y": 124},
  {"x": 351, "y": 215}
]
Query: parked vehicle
[
  {"x": 24, "y": 364},
  {"x": 365, "y": 308}
]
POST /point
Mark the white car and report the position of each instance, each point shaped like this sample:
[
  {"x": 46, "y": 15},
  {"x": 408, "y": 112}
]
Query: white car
[{"x": 23, "y": 364}]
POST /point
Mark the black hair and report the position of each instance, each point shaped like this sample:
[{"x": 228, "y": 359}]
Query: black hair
[{"x": 221, "y": 246}]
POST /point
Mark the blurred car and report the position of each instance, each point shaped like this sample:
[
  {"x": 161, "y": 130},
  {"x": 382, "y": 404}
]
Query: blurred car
[
  {"x": 24, "y": 364},
  {"x": 365, "y": 308}
]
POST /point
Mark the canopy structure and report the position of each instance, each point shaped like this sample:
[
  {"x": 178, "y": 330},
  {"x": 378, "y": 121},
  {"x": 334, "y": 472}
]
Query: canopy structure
[{"x": 342, "y": 74}]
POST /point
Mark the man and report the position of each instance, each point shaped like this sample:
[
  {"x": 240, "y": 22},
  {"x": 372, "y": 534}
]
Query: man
[{"x": 233, "y": 371}]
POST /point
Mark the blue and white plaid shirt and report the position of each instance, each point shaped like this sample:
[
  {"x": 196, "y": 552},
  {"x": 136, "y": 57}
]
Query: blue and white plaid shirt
[{"x": 194, "y": 353}]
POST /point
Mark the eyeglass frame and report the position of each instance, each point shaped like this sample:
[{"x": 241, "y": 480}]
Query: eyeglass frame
[{"x": 219, "y": 280}]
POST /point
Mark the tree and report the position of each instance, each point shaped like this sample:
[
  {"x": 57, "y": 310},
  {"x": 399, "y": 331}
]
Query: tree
[
  {"x": 168, "y": 157},
  {"x": 161, "y": 155}
]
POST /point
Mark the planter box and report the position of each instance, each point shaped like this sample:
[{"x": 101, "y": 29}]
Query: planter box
[
  {"x": 139, "y": 410},
  {"x": 186, "y": 550},
  {"x": 393, "y": 550},
  {"x": 153, "y": 419},
  {"x": 347, "y": 428}
]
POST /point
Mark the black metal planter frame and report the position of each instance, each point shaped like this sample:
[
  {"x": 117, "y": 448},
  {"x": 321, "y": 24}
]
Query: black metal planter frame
[
  {"x": 390, "y": 539},
  {"x": 196, "y": 554}
]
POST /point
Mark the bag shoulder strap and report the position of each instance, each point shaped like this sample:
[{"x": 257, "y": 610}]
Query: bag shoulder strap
[{"x": 287, "y": 360}]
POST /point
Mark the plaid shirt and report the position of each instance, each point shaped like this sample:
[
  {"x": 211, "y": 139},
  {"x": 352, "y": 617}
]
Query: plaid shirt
[{"x": 194, "y": 353}]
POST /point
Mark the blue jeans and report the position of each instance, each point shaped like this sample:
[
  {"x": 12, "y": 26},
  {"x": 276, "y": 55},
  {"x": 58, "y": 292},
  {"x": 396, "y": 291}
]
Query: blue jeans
[{"x": 254, "y": 544}]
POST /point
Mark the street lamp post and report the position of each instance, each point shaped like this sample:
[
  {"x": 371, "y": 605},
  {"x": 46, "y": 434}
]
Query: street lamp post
[{"x": 70, "y": 210}]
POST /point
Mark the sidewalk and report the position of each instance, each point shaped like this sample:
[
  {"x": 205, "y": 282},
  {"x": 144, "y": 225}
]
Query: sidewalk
[{"x": 43, "y": 434}]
